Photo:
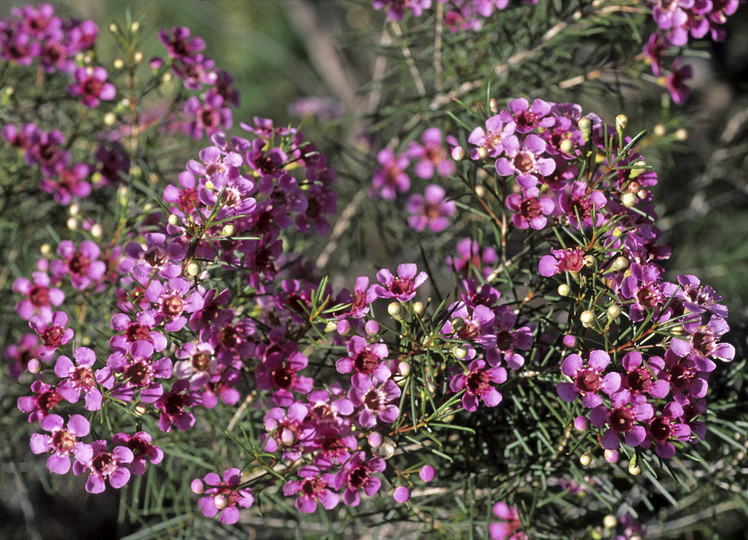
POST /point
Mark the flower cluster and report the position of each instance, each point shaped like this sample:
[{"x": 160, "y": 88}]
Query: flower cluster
[{"x": 459, "y": 15}]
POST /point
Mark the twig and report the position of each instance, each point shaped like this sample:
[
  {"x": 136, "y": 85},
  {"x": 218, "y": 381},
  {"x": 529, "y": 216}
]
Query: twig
[{"x": 420, "y": 87}]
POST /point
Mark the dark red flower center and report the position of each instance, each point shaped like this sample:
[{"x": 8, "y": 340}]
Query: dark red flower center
[
  {"x": 312, "y": 487},
  {"x": 358, "y": 477},
  {"x": 504, "y": 340},
  {"x": 104, "y": 464},
  {"x": 639, "y": 380},
  {"x": 78, "y": 264},
  {"x": 139, "y": 373},
  {"x": 138, "y": 332},
  {"x": 82, "y": 378},
  {"x": 366, "y": 362},
  {"x": 373, "y": 400},
  {"x": 588, "y": 380},
  {"x": 39, "y": 296},
  {"x": 284, "y": 377},
  {"x": 477, "y": 382},
  {"x": 201, "y": 361},
  {"x": 172, "y": 305},
  {"x": 530, "y": 208},
  {"x": 52, "y": 336},
  {"x": 63, "y": 442},
  {"x": 524, "y": 162},
  {"x": 660, "y": 428},
  {"x": 401, "y": 286},
  {"x": 621, "y": 420}
]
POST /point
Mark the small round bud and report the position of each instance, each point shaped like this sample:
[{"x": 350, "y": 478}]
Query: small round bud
[
  {"x": 110, "y": 119},
  {"x": 221, "y": 501},
  {"x": 228, "y": 230},
  {"x": 96, "y": 230},
  {"x": 589, "y": 261},
  {"x": 613, "y": 312},
  {"x": 677, "y": 330},
  {"x": 585, "y": 459},
  {"x": 394, "y": 309},
  {"x": 622, "y": 121},
  {"x": 628, "y": 199},
  {"x": 585, "y": 126},
  {"x": 136, "y": 171},
  {"x": 193, "y": 269},
  {"x": 633, "y": 187},
  {"x": 659, "y": 130},
  {"x": 118, "y": 63},
  {"x": 124, "y": 102},
  {"x": 569, "y": 341},
  {"x": 209, "y": 185},
  {"x": 427, "y": 473},
  {"x": 566, "y": 146},
  {"x": 138, "y": 57},
  {"x": 681, "y": 134},
  {"x": 609, "y": 521},
  {"x": 460, "y": 352},
  {"x": 173, "y": 220},
  {"x": 331, "y": 326},
  {"x": 140, "y": 408},
  {"x": 493, "y": 105},
  {"x": 343, "y": 327},
  {"x": 371, "y": 327},
  {"x": 642, "y": 194},
  {"x": 458, "y": 152},
  {"x": 621, "y": 263},
  {"x": 482, "y": 153},
  {"x": 134, "y": 27},
  {"x": 166, "y": 77},
  {"x": 611, "y": 456},
  {"x": 418, "y": 308},
  {"x": 46, "y": 249},
  {"x": 634, "y": 468},
  {"x": 197, "y": 486},
  {"x": 587, "y": 317},
  {"x": 113, "y": 28},
  {"x": 403, "y": 368},
  {"x": 34, "y": 366},
  {"x": 74, "y": 209},
  {"x": 401, "y": 494},
  {"x": 387, "y": 448},
  {"x": 480, "y": 191},
  {"x": 72, "y": 223},
  {"x": 375, "y": 439},
  {"x": 458, "y": 324},
  {"x": 581, "y": 423},
  {"x": 564, "y": 290}
]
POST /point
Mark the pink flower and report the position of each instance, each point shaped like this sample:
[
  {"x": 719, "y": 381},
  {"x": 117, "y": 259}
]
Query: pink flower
[
  {"x": 40, "y": 296},
  {"x": 390, "y": 178},
  {"x": 401, "y": 287},
  {"x": 430, "y": 209},
  {"x": 588, "y": 381},
  {"x": 62, "y": 442},
  {"x": 312, "y": 487},
  {"x": 78, "y": 378},
  {"x": 105, "y": 465},
  {"x": 52, "y": 331},
  {"x": 173, "y": 407},
  {"x": 358, "y": 475},
  {"x": 141, "y": 447},
  {"x": 90, "y": 84},
  {"x": 477, "y": 384},
  {"x": 432, "y": 156},
  {"x": 223, "y": 496},
  {"x": 508, "y": 528}
]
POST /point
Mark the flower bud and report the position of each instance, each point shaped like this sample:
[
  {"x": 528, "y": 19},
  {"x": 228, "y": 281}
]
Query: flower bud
[
  {"x": 96, "y": 230},
  {"x": 113, "y": 28},
  {"x": 228, "y": 230},
  {"x": 609, "y": 521},
  {"x": 480, "y": 191},
  {"x": 458, "y": 152},
  {"x": 681, "y": 134},
  {"x": 173, "y": 220},
  {"x": 394, "y": 309},
  {"x": 134, "y": 27},
  {"x": 493, "y": 105},
  {"x": 659, "y": 130},
  {"x": 197, "y": 486},
  {"x": 628, "y": 199},
  {"x": 611, "y": 456},
  {"x": 375, "y": 439},
  {"x": 343, "y": 327},
  {"x": 401, "y": 494},
  {"x": 138, "y": 57},
  {"x": 110, "y": 119},
  {"x": 403, "y": 368},
  {"x": 569, "y": 341},
  {"x": 585, "y": 126},
  {"x": 634, "y": 468},
  {"x": 418, "y": 307},
  {"x": 621, "y": 122},
  {"x": 589, "y": 261},
  {"x": 74, "y": 209},
  {"x": 585, "y": 459},
  {"x": 46, "y": 249},
  {"x": 564, "y": 290},
  {"x": 371, "y": 327},
  {"x": 587, "y": 318},
  {"x": 427, "y": 473},
  {"x": 140, "y": 408},
  {"x": 566, "y": 146},
  {"x": 460, "y": 352},
  {"x": 193, "y": 269},
  {"x": 118, "y": 63},
  {"x": 581, "y": 423},
  {"x": 34, "y": 366},
  {"x": 72, "y": 223},
  {"x": 331, "y": 326},
  {"x": 620, "y": 263},
  {"x": 482, "y": 153},
  {"x": 613, "y": 312},
  {"x": 633, "y": 187},
  {"x": 387, "y": 448}
]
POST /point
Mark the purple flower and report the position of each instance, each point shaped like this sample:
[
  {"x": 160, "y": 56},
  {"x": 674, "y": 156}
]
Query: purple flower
[
  {"x": 588, "y": 381},
  {"x": 52, "y": 331},
  {"x": 173, "y": 407},
  {"x": 622, "y": 421},
  {"x": 530, "y": 208},
  {"x": 137, "y": 371},
  {"x": 105, "y": 465},
  {"x": 288, "y": 431},
  {"x": 390, "y": 177},
  {"x": 525, "y": 162},
  {"x": 199, "y": 364},
  {"x": 40, "y": 296},
  {"x": 82, "y": 265},
  {"x": 61, "y": 441},
  {"x": 490, "y": 142},
  {"x": 222, "y": 496},
  {"x": 561, "y": 260},
  {"x": 312, "y": 487},
  {"x": 374, "y": 402},
  {"x": 173, "y": 302},
  {"x": 357, "y": 475},
  {"x": 472, "y": 259},
  {"x": 80, "y": 378},
  {"x": 22, "y": 355},
  {"x": 67, "y": 182},
  {"x": 675, "y": 82},
  {"x": 139, "y": 330},
  {"x": 529, "y": 117},
  {"x": 396, "y": 8},
  {"x": 507, "y": 529},
  {"x": 279, "y": 371},
  {"x": 141, "y": 447},
  {"x": 90, "y": 84},
  {"x": 45, "y": 400},
  {"x": 401, "y": 287},
  {"x": 365, "y": 361},
  {"x": 666, "y": 427},
  {"x": 362, "y": 297},
  {"x": 430, "y": 209},
  {"x": 432, "y": 156},
  {"x": 477, "y": 384},
  {"x": 208, "y": 116}
]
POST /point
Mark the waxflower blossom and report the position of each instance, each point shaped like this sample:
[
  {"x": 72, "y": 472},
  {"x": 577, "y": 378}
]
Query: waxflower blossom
[
  {"x": 52, "y": 331},
  {"x": 361, "y": 299},
  {"x": 142, "y": 448},
  {"x": 357, "y": 475},
  {"x": 396, "y": 8},
  {"x": 666, "y": 427},
  {"x": 390, "y": 178},
  {"x": 312, "y": 487},
  {"x": 22, "y": 355},
  {"x": 374, "y": 402},
  {"x": 431, "y": 155},
  {"x": 90, "y": 85},
  {"x": 78, "y": 378},
  {"x": 40, "y": 296},
  {"x": 82, "y": 264},
  {"x": 68, "y": 182},
  {"x": 430, "y": 210},
  {"x": 173, "y": 407},
  {"x": 472, "y": 258},
  {"x": 561, "y": 260},
  {"x": 588, "y": 381},
  {"x": 508, "y": 528},
  {"x": 222, "y": 496},
  {"x": 104, "y": 465},
  {"x": 525, "y": 161},
  {"x": 401, "y": 287},
  {"x": 365, "y": 360},
  {"x": 173, "y": 301},
  {"x": 62, "y": 441},
  {"x": 490, "y": 142},
  {"x": 530, "y": 208},
  {"x": 477, "y": 384}
]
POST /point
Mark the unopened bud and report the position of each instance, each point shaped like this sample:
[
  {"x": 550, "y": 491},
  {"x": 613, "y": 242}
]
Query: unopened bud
[
  {"x": 628, "y": 199},
  {"x": 493, "y": 105},
  {"x": 677, "y": 330},
  {"x": 46, "y": 249},
  {"x": 585, "y": 126},
  {"x": 173, "y": 220},
  {"x": 96, "y": 230},
  {"x": 589, "y": 261},
  {"x": 566, "y": 146},
  {"x": 609, "y": 521},
  {"x": 458, "y": 152},
  {"x": 681, "y": 134},
  {"x": 564, "y": 290},
  {"x": 460, "y": 352},
  {"x": 371, "y": 327},
  {"x": 331, "y": 326},
  {"x": 587, "y": 317},
  {"x": 134, "y": 27},
  {"x": 113, "y": 28},
  {"x": 613, "y": 312},
  {"x": 140, "y": 408},
  {"x": 634, "y": 187},
  {"x": 621, "y": 263},
  {"x": 642, "y": 194},
  {"x": 228, "y": 230},
  {"x": 74, "y": 209},
  {"x": 193, "y": 269},
  {"x": 634, "y": 469},
  {"x": 110, "y": 119},
  {"x": 72, "y": 223},
  {"x": 118, "y": 63},
  {"x": 585, "y": 459},
  {"x": 482, "y": 153},
  {"x": 403, "y": 368},
  {"x": 138, "y": 57},
  {"x": 659, "y": 130},
  {"x": 418, "y": 307},
  {"x": 621, "y": 122},
  {"x": 611, "y": 456},
  {"x": 394, "y": 309},
  {"x": 480, "y": 191},
  {"x": 387, "y": 448}
]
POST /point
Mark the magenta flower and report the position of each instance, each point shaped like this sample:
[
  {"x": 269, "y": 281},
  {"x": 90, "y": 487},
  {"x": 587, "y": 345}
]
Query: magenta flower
[
  {"x": 622, "y": 420},
  {"x": 471, "y": 259},
  {"x": 39, "y": 405},
  {"x": 390, "y": 178},
  {"x": 561, "y": 260},
  {"x": 490, "y": 142},
  {"x": 289, "y": 431},
  {"x": 312, "y": 487},
  {"x": 401, "y": 287},
  {"x": 588, "y": 381},
  {"x": 582, "y": 203},
  {"x": 638, "y": 380},
  {"x": 105, "y": 465},
  {"x": 525, "y": 161},
  {"x": 704, "y": 339},
  {"x": 432, "y": 156},
  {"x": 430, "y": 209},
  {"x": 61, "y": 441},
  {"x": 138, "y": 372},
  {"x": 530, "y": 117},
  {"x": 199, "y": 364},
  {"x": 208, "y": 116},
  {"x": 173, "y": 407},
  {"x": 90, "y": 85},
  {"x": 22, "y": 355},
  {"x": 40, "y": 296},
  {"x": 675, "y": 82},
  {"x": 357, "y": 475},
  {"x": 222, "y": 496},
  {"x": 133, "y": 331},
  {"x": 530, "y": 208},
  {"x": 159, "y": 255},
  {"x": 280, "y": 372},
  {"x": 78, "y": 378},
  {"x": 68, "y": 182},
  {"x": 396, "y": 8},
  {"x": 141, "y": 447},
  {"x": 664, "y": 428},
  {"x": 82, "y": 265},
  {"x": 173, "y": 301},
  {"x": 52, "y": 331},
  {"x": 179, "y": 43},
  {"x": 508, "y": 529},
  {"x": 362, "y": 297},
  {"x": 365, "y": 360},
  {"x": 477, "y": 384},
  {"x": 374, "y": 402}
]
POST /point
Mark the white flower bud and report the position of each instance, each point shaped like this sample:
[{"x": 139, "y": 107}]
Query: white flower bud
[
  {"x": 613, "y": 312},
  {"x": 193, "y": 269},
  {"x": 621, "y": 122},
  {"x": 659, "y": 130},
  {"x": 140, "y": 408},
  {"x": 621, "y": 263},
  {"x": 46, "y": 249},
  {"x": 96, "y": 230},
  {"x": 564, "y": 290},
  {"x": 118, "y": 63},
  {"x": 681, "y": 134},
  {"x": 566, "y": 146},
  {"x": 628, "y": 199},
  {"x": 173, "y": 220},
  {"x": 134, "y": 27},
  {"x": 493, "y": 105},
  {"x": 394, "y": 309},
  {"x": 418, "y": 307},
  {"x": 587, "y": 317},
  {"x": 228, "y": 230},
  {"x": 460, "y": 352},
  {"x": 74, "y": 209},
  {"x": 609, "y": 521},
  {"x": 72, "y": 223},
  {"x": 138, "y": 57},
  {"x": 458, "y": 152},
  {"x": 585, "y": 459},
  {"x": 110, "y": 119}
]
